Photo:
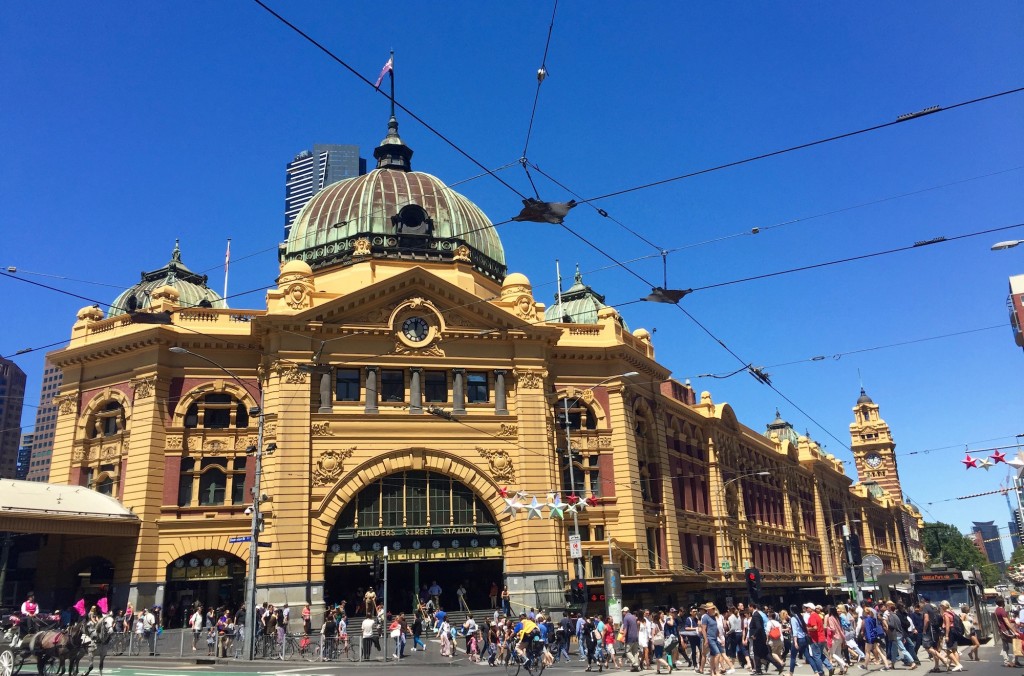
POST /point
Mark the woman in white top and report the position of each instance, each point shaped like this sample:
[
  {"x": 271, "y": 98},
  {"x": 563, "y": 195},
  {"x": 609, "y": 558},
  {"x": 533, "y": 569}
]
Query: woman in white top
[{"x": 644, "y": 639}]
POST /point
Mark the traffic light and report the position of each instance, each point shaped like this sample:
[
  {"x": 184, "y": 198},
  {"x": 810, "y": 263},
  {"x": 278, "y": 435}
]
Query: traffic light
[
  {"x": 855, "y": 554},
  {"x": 375, "y": 572},
  {"x": 753, "y": 576},
  {"x": 579, "y": 592}
]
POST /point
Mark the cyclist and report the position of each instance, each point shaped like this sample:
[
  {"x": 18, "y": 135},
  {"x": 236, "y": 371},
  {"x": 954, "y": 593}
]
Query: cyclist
[{"x": 527, "y": 636}]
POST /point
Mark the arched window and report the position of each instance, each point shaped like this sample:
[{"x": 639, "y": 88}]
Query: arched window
[
  {"x": 217, "y": 410},
  {"x": 217, "y": 481},
  {"x": 581, "y": 416},
  {"x": 107, "y": 422},
  {"x": 646, "y": 451}
]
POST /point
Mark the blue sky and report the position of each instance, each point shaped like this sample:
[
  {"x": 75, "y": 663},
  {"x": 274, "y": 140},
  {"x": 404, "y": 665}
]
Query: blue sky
[{"x": 126, "y": 125}]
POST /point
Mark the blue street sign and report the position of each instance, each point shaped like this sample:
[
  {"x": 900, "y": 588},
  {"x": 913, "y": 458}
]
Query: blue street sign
[{"x": 240, "y": 538}]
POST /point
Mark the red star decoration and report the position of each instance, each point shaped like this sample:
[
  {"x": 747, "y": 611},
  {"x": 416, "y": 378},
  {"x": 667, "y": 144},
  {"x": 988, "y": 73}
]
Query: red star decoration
[
  {"x": 969, "y": 462},
  {"x": 503, "y": 492},
  {"x": 572, "y": 499},
  {"x": 997, "y": 457},
  {"x": 592, "y": 501}
]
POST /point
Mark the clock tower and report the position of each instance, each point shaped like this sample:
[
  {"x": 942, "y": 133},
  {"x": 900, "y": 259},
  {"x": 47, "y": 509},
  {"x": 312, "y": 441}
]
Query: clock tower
[{"x": 873, "y": 447}]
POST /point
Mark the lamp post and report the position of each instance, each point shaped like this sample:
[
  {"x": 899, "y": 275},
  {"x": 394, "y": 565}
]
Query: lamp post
[
  {"x": 1008, "y": 244},
  {"x": 850, "y": 563},
  {"x": 257, "y": 517},
  {"x": 572, "y": 473},
  {"x": 762, "y": 472}
]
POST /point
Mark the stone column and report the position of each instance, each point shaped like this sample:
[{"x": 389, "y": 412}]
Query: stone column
[
  {"x": 371, "y": 389},
  {"x": 500, "y": 405},
  {"x": 459, "y": 391},
  {"x": 415, "y": 391},
  {"x": 326, "y": 393}
]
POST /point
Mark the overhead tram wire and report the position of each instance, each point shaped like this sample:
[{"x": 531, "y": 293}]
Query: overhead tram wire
[
  {"x": 935, "y": 110},
  {"x": 542, "y": 74},
  {"x": 838, "y": 355},
  {"x": 397, "y": 104},
  {"x": 916, "y": 245}
]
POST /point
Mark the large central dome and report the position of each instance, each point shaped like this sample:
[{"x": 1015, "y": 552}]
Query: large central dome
[{"x": 393, "y": 212}]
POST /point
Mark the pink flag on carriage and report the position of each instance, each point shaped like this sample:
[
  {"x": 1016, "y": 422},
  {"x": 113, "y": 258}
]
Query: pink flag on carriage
[
  {"x": 80, "y": 607},
  {"x": 102, "y": 603}
]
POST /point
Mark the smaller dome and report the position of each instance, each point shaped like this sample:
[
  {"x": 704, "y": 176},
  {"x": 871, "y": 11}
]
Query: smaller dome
[
  {"x": 642, "y": 334},
  {"x": 516, "y": 279},
  {"x": 579, "y": 304},
  {"x": 864, "y": 398},
  {"x": 294, "y": 267},
  {"x": 191, "y": 288}
]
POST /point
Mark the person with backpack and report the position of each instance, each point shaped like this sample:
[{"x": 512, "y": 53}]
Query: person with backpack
[
  {"x": 895, "y": 631},
  {"x": 933, "y": 626},
  {"x": 953, "y": 632},
  {"x": 874, "y": 634}
]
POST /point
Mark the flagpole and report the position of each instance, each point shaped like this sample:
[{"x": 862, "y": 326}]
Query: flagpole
[
  {"x": 227, "y": 261},
  {"x": 392, "y": 83}
]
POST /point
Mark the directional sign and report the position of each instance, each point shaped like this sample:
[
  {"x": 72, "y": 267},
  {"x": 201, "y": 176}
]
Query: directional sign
[
  {"x": 240, "y": 538},
  {"x": 263, "y": 544}
]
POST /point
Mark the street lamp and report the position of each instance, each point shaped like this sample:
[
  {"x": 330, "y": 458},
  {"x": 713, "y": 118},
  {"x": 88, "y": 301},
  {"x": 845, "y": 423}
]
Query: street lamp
[
  {"x": 257, "y": 517},
  {"x": 572, "y": 474},
  {"x": 1008, "y": 244}
]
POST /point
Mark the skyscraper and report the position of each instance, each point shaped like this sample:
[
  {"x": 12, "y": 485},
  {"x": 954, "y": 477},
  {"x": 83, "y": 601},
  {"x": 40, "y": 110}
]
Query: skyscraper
[
  {"x": 12, "y": 400},
  {"x": 24, "y": 454},
  {"x": 311, "y": 171},
  {"x": 987, "y": 535},
  {"x": 46, "y": 422}
]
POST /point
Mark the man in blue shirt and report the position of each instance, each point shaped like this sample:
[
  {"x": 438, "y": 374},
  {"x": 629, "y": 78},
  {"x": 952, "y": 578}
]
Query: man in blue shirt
[
  {"x": 631, "y": 629},
  {"x": 709, "y": 633}
]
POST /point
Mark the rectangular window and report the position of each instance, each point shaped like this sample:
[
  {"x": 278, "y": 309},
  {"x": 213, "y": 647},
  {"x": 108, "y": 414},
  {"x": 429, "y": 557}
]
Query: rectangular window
[
  {"x": 416, "y": 501},
  {"x": 217, "y": 414},
  {"x": 440, "y": 500},
  {"x": 594, "y": 475},
  {"x": 435, "y": 386},
  {"x": 597, "y": 566},
  {"x": 185, "y": 482},
  {"x": 238, "y": 482},
  {"x": 476, "y": 387},
  {"x": 391, "y": 502},
  {"x": 346, "y": 386},
  {"x": 369, "y": 507},
  {"x": 392, "y": 385}
]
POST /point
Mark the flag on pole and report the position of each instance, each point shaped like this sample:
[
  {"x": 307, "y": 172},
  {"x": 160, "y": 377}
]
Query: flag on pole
[
  {"x": 389, "y": 67},
  {"x": 227, "y": 260}
]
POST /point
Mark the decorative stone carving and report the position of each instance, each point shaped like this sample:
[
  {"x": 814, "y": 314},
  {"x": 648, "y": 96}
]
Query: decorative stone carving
[
  {"x": 587, "y": 396},
  {"x": 380, "y": 315},
  {"x": 173, "y": 443},
  {"x": 108, "y": 452},
  {"x": 432, "y": 350},
  {"x": 524, "y": 307},
  {"x": 599, "y": 442},
  {"x": 507, "y": 430},
  {"x": 502, "y": 469},
  {"x": 462, "y": 254},
  {"x": 291, "y": 374},
  {"x": 78, "y": 455},
  {"x": 66, "y": 404},
  {"x": 242, "y": 443},
  {"x": 330, "y": 466},
  {"x": 361, "y": 247},
  {"x": 143, "y": 387},
  {"x": 459, "y": 320},
  {"x": 321, "y": 429},
  {"x": 295, "y": 285},
  {"x": 529, "y": 380}
]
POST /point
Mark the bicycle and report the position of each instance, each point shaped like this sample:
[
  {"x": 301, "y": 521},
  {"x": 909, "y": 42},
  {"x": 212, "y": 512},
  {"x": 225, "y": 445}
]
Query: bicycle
[
  {"x": 534, "y": 664},
  {"x": 299, "y": 646}
]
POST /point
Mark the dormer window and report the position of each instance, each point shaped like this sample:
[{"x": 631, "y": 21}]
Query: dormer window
[{"x": 217, "y": 411}]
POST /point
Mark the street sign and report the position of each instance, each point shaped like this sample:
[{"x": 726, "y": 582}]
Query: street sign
[
  {"x": 725, "y": 565},
  {"x": 240, "y": 538},
  {"x": 263, "y": 544},
  {"x": 575, "y": 548}
]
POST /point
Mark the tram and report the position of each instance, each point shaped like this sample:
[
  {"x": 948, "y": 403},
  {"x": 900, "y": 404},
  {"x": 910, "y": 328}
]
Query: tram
[{"x": 960, "y": 588}]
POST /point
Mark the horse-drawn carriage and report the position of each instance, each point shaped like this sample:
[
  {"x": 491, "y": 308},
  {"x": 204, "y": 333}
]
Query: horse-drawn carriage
[{"x": 55, "y": 651}]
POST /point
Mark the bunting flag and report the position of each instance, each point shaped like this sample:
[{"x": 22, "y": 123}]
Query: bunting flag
[
  {"x": 389, "y": 67},
  {"x": 103, "y": 606},
  {"x": 80, "y": 607}
]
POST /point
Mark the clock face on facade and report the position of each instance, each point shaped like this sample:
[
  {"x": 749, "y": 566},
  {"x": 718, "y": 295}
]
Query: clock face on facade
[
  {"x": 873, "y": 460},
  {"x": 415, "y": 329}
]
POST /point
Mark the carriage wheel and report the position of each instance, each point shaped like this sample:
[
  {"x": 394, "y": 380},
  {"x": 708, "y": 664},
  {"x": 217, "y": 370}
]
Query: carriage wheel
[
  {"x": 7, "y": 662},
  {"x": 52, "y": 666}
]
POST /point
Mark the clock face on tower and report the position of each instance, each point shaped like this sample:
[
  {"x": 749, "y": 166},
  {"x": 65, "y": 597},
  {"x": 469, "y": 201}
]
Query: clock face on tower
[
  {"x": 415, "y": 329},
  {"x": 873, "y": 460}
]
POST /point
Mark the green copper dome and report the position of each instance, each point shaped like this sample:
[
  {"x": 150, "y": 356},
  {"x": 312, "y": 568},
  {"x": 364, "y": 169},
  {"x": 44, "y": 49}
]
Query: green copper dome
[
  {"x": 580, "y": 304},
  {"x": 393, "y": 212},
  {"x": 191, "y": 288}
]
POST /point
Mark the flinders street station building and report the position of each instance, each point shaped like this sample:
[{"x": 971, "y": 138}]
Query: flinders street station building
[{"x": 402, "y": 389}]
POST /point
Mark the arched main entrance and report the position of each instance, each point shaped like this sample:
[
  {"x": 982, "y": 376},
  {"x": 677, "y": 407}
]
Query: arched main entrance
[
  {"x": 428, "y": 521},
  {"x": 211, "y": 577}
]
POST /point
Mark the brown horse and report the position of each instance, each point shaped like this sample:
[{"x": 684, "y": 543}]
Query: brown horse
[{"x": 67, "y": 646}]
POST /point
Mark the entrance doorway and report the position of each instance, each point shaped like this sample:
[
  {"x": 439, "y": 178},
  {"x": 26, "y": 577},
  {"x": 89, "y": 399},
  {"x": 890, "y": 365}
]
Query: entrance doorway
[
  {"x": 213, "y": 578},
  {"x": 349, "y": 583}
]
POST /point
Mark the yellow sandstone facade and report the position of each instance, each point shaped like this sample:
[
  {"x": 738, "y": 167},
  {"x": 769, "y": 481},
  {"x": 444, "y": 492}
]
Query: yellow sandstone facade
[{"x": 410, "y": 390}]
